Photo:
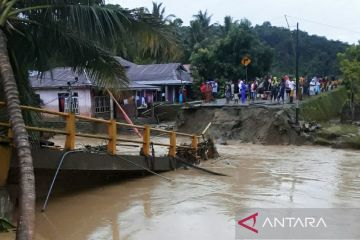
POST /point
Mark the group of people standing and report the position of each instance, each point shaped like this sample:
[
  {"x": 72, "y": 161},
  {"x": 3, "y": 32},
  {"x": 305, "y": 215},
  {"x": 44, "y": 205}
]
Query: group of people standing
[
  {"x": 266, "y": 88},
  {"x": 285, "y": 89},
  {"x": 209, "y": 91},
  {"x": 317, "y": 85},
  {"x": 235, "y": 91}
]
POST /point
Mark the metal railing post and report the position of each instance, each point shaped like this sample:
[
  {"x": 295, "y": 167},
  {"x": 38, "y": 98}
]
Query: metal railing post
[
  {"x": 172, "y": 149},
  {"x": 70, "y": 129},
  {"x": 112, "y": 137},
  {"x": 70, "y": 132},
  {"x": 194, "y": 144},
  {"x": 146, "y": 143}
]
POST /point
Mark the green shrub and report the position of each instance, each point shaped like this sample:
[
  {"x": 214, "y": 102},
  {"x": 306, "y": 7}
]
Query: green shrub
[{"x": 324, "y": 106}]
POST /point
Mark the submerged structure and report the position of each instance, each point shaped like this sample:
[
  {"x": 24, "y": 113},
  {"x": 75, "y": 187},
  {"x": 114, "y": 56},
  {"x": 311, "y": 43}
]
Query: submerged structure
[{"x": 85, "y": 163}]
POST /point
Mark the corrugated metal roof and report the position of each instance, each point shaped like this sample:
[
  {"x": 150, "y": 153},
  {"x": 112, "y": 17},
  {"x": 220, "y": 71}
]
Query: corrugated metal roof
[
  {"x": 58, "y": 77},
  {"x": 124, "y": 62},
  {"x": 140, "y": 76},
  {"x": 155, "y": 72},
  {"x": 187, "y": 67},
  {"x": 165, "y": 82},
  {"x": 137, "y": 86}
]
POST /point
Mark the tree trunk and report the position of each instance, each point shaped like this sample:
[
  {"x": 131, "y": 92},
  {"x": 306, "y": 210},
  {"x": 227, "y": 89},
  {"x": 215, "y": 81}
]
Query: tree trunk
[
  {"x": 26, "y": 220},
  {"x": 352, "y": 105}
]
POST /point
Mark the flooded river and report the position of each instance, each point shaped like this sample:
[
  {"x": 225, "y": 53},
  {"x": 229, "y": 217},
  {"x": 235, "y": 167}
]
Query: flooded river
[{"x": 197, "y": 205}]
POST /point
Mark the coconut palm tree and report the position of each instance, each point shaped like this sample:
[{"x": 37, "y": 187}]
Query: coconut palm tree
[
  {"x": 200, "y": 26},
  {"x": 228, "y": 24},
  {"x": 39, "y": 35},
  {"x": 203, "y": 18},
  {"x": 159, "y": 11}
]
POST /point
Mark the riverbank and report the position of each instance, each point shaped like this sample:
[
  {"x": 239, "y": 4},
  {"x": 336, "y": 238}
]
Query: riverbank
[
  {"x": 273, "y": 124},
  {"x": 254, "y": 124},
  {"x": 339, "y": 135}
]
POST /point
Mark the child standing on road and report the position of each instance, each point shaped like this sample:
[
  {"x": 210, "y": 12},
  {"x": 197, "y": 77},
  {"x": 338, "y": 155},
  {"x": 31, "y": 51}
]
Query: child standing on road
[
  {"x": 236, "y": 93},
  {"x": 227, "y": 93}
]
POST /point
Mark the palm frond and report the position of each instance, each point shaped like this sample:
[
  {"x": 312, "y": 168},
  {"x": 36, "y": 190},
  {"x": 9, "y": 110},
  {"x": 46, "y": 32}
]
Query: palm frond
[
  {"x": 48, "y": 46},
  {"x": 83, "y": 36},
  {"x": 153, "y": 36},
  {"x": 27, "y": 96}
]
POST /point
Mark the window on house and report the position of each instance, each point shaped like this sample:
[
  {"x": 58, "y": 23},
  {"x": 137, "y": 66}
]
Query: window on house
[
  {"x": 38, "y": 100},
  {"x": 66, "y": 104},
  {"x": 102, "y": 104},
  {"x": 72, "y": 104}
]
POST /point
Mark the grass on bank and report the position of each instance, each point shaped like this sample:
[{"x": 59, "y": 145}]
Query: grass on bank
[
  {"x": 339, "y": 135},
  {"x": 323, "y": 107}
]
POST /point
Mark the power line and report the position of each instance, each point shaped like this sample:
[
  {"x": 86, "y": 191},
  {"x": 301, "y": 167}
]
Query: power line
[
  {"x": 291, "y": 37},
  {"x": 287, "y": 22},
  {"x": 323, "y": 24}
]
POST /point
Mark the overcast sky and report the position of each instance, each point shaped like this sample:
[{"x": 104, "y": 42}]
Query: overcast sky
[{"x": 334, "y": 19}]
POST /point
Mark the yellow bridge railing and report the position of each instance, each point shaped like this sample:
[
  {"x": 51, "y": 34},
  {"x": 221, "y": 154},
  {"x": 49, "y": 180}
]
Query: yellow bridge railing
[{"x": 112, "y": 136}]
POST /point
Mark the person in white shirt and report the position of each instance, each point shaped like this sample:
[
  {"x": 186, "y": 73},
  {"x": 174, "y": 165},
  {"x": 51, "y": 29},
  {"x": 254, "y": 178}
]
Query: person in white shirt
[
  {"x": 292, "y": 90},
  {"x": 232, "y": 86},
  {"x": 214, "y": 90},
  {"x": 253, "y": 89}
]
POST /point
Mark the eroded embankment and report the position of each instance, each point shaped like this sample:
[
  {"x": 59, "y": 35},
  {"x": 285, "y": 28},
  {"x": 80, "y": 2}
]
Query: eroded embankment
[
  {"x": 274, "y": 124},
  {"x": 265, "y": 125}
]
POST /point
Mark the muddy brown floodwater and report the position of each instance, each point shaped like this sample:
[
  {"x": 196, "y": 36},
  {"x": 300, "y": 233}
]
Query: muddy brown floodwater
[{"x": 197, "y": 205}]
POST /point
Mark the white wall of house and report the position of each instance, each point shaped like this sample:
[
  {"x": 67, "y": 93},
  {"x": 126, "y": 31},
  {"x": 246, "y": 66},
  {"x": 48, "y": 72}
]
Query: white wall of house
[
  {"x": 166, "y": 93},
  {"x": 50, "y": 99}
]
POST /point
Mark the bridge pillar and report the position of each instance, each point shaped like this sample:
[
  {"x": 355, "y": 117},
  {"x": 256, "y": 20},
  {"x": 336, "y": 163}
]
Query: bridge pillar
[
  {"x": 146, "y": 141},
  {"x": 70, "y": 128},
  {"x": 172, "y": 149},
  {"x": 112, "y": 137}
]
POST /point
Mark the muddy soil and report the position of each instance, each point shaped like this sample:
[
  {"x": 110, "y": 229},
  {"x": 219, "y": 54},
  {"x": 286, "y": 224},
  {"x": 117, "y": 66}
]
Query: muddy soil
[{"x": 260, "y": 125}]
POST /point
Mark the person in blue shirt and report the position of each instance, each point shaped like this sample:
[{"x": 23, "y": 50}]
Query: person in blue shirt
[{"x": 243, "y": 92}]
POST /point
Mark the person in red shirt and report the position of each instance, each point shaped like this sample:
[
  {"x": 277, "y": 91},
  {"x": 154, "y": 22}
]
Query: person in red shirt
[
  {"x": 203, "y": 90},
  {"x": 208, "y": 92}
]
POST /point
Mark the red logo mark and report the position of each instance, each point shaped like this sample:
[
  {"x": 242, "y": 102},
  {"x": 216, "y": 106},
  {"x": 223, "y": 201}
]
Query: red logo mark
[{"x": 253, "y": 217}]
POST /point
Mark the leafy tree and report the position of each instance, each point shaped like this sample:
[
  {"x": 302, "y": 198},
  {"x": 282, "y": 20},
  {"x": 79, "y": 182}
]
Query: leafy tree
[
  {"x": 222, "y": 58},
  {"x": 203, "y": 62},
  {"x": 350, "y": 68},
  {"x": 80, "y": 34},
  {"x": 183, "y": 34},
  {"x": 317, "y": 54}
]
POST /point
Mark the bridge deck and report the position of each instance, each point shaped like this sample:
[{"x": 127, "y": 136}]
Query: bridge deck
[{"x": 86, "y": 161}]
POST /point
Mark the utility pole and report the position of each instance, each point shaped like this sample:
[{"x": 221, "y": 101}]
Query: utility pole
[
  {"x": 246, "y": 77},
  {"x": 246, "y": 61},
  {"x": 70, "y": 100},
  {"x": 297, "y": 74},
  {"x": 111, "y": 108}
]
